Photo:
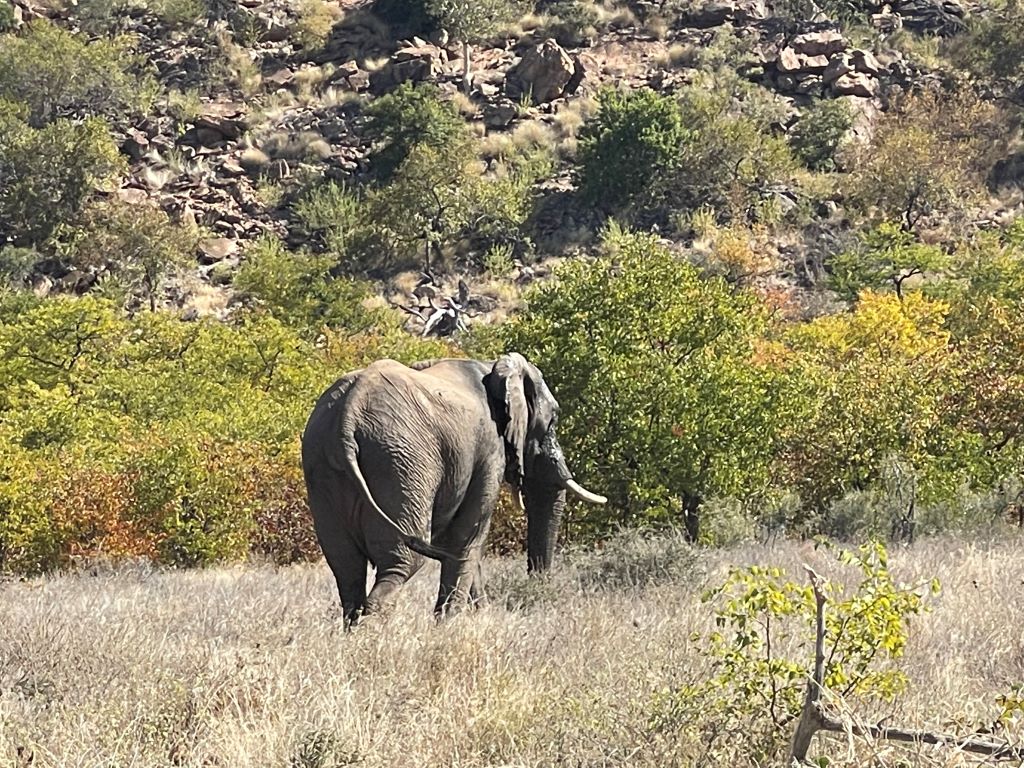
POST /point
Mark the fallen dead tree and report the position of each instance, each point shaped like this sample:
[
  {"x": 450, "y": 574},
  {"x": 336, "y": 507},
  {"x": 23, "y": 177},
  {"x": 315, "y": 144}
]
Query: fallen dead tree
[{"x": 815, "y": 718}]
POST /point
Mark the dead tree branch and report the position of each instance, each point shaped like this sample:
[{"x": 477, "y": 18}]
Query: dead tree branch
[{"x": 813, "y": 717}]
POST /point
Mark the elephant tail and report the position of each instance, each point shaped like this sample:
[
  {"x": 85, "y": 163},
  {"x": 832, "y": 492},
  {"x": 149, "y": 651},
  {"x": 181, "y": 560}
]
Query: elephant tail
[{"x": 415, "y": 543}]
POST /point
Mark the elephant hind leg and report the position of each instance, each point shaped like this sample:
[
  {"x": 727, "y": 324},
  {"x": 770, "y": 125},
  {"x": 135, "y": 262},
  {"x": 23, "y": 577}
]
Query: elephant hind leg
[
  {"x": 328, "y": 503},
  {"x": 349, "y": 567}
]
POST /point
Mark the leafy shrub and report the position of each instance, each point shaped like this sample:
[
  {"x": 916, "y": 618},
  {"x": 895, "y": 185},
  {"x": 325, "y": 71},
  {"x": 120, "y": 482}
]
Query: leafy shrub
[
  {"x": 138, "y": 246},
  {"x": 993, "y": 48},
  {"x": 634, "y": 140},
  {"x": 314, "y": 23},
  {"x": 887, "y": 258},
  {"x": 333, "y": 216},
  {"x": 108, "y": 77},
  {"x": 299, "y": 289},
  {"x": 928, "y": 158},
  {"x": 817, "y": 135},
  {"x": 7, "y": 19},
  {"x": 759, "y": 679},
  {"x": 49, "y": 172},
  {"x": 407, "y": 117},
  {"x": 669, "y": 405},
  {"x": 651, "y": 155},
  {"x": 730, "y": 155}
]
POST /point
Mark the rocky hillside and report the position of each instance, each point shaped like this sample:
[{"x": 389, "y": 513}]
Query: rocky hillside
[{"x": 256, "y": 103}]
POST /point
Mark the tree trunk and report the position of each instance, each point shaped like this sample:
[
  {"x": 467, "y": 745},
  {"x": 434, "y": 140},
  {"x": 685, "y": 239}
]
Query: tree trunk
[
  {"x": 466, "y": 81},
  {"x": 691, "y": 516}
]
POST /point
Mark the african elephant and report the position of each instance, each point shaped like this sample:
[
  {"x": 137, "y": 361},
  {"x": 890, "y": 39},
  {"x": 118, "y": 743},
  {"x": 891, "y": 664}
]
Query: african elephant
[{"x": 405, "y": 462}]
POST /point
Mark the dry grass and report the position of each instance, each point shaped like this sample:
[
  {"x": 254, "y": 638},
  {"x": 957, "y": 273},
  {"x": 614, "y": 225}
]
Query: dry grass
[{"x": 249, "y": 666}]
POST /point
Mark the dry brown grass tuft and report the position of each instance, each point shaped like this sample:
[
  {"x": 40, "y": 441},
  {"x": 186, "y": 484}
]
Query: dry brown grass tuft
[{"x": 249, "y": 666}]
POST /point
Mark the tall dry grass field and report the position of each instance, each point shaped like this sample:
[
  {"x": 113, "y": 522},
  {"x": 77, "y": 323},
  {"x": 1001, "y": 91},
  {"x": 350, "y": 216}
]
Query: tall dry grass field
[{"x": 250, "y": 666}]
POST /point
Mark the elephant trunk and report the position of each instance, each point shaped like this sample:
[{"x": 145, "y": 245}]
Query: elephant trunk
[{"x": 544, "y": 507}]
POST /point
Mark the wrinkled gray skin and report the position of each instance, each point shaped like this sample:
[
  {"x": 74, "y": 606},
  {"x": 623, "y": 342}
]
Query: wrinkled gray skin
[{"x": 395, "y": 457}]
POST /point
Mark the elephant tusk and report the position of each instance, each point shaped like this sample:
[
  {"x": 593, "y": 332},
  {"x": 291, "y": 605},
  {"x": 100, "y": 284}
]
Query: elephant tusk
[
  {"x": 521, "y": 501},
  {"x": 583, "y": 493}
]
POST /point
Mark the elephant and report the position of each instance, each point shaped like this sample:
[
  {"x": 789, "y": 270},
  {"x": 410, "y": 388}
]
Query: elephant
[{"x": 403, "y": 463}]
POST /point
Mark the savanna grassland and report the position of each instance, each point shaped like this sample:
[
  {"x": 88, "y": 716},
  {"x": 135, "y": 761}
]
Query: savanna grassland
[{"x": 249, "y": 666}]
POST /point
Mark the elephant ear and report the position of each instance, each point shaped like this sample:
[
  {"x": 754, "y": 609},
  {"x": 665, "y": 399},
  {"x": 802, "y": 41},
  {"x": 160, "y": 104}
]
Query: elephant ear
[{"x": 510, "y": 373}]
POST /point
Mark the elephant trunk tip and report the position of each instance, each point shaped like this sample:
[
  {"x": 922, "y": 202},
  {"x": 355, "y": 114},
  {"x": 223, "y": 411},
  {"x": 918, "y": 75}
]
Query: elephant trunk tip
[{"x": 584, "y": 494}]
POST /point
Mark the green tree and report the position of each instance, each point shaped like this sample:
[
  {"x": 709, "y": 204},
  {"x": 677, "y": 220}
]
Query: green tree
[
  {"x": 873, "y": 382},
  {"x": 634, "y": 140},
  {"x": 60, "y": 74},
  {"x": 887, "y": 257},
  {"x": 410, "y": 116},
  {"x": 136, "y": 245},
  {"x": 472, "y": 21},
  {"x": 666, "y": 397},
  {"x": 49, "y": 172}
]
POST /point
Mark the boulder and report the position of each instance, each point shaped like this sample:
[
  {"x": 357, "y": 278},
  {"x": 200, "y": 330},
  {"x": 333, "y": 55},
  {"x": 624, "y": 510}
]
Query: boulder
[
  {"x": 718, "y": 12},
  {"x": 214, "y": 249},
  {"x": 791, "y": 62},
  {"x": 838, "y": 66},
  {"x": 855, "y": 84},
  {"x": 865, "y": 61},
  {"x": 544, "y": 71},
  {"x": 944, "y": 18},
  {"x": 500, "y": 113},
  {"x": 824, "y": 43}
]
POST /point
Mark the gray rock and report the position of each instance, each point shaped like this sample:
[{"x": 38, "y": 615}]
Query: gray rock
[
  {"x": 824, "y": 43},
  {"x": 865, "y": 61},
  {"x": 855, "y": 84},
  {"x": 500, "y": 113},
  {"x": 838, "y": 66},
  {"x": 544, "y": 72}
]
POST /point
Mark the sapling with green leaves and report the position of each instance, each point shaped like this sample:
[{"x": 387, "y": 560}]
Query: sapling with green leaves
[{"x": 471, "y": 21}]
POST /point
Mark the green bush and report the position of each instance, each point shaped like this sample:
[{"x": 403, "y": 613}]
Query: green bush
[
  {"x": 650, "y": 155},
  {"x": 407, "y": 117},
  {"x": 7, "y": 19},
  {"x": 106, "y": 78},
  {"x": 632, "y": 143},
  {"x": 993, "y": 48},
  {"x": 49, "y": 172},
  {"x": 334, "y": 217},
  {"x": 664, "y": 402},
  {"x": 299, "y": 289},
  {"x": 927, "y": 160},
  {"x": 135, "y": 246},
  {"x": 817, "y": 135}
]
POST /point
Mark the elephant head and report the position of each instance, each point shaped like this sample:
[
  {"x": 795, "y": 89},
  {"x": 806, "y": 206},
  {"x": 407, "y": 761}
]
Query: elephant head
[{"x": 527, "y": 415}]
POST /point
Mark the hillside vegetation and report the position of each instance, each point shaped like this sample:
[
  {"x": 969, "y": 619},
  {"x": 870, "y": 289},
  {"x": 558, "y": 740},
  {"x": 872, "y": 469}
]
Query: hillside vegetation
[{"x": 770, "y": 259}]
